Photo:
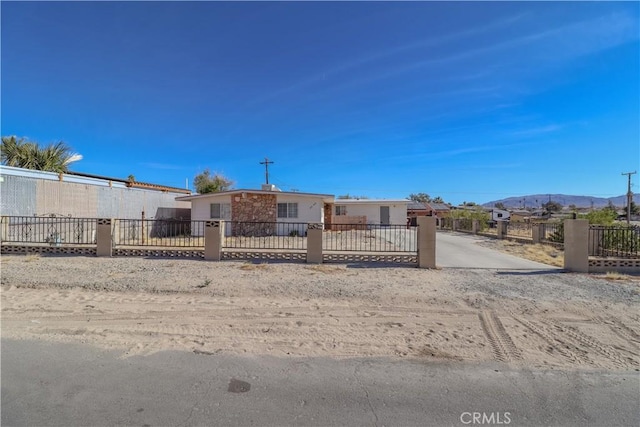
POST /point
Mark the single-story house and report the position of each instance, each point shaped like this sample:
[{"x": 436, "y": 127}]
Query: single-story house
[
  {"x": 368, "y": 211},
  {"x": 416, "y": 209},
  {"x": 520, "y": 215},
  {"x": 498, "y": 215},
  {"x": 439, "y": 210},
  {"x": 274, "y": 212}
]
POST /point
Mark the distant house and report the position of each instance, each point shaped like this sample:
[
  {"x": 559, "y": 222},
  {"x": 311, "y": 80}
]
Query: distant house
[
  {"x": 416, "y": 209},
  {"x": 267, "y": 206},
  {"x": 499, "y": 215},
  {"x": 520, "y": 215},
  {"x": 439, "y": 210}
]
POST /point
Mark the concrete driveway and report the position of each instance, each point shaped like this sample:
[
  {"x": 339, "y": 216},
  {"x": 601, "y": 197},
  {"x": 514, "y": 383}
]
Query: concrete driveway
[
  {"x": 460, "y": 250},
  {"x": 72, "y": 385}
]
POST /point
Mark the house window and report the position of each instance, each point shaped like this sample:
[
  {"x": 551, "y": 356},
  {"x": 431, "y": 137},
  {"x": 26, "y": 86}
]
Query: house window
[
  {"x": 499, "y": 215},
  {"x": 341, "y": 210},
  {"x": 287, "y": 210},
  {"x": 220, "y": 211}
]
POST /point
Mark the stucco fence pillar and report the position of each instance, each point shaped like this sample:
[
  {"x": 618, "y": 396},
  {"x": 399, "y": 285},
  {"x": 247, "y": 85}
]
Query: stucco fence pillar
[
  {"x": 537, "y": 231},
  {"x": 213, "y": 239},
  {"x": 502, "y": 229},
  {"x": 426, "y": 242},
  {"x": 456, "y": 225},
  {"x": 4, "y": 228},
  {"x": 576, "y": 245},
  {"x": 475, "y": 226},
  {"x": 314, "y": 243},
  {"x": 104, "y": 232}
]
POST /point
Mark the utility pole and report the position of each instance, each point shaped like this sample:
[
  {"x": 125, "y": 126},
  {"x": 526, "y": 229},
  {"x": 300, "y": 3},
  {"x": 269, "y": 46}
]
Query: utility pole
[
  {"x": 266, "y": 164},
  {"x": 629, "y": 194}
]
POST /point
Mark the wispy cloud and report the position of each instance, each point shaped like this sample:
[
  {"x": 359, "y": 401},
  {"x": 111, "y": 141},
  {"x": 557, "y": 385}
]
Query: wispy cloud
[
  {"x": 384, "y": 55},
  {"x": 559, "y": 44},
  {"x": 536, "y": 131}
]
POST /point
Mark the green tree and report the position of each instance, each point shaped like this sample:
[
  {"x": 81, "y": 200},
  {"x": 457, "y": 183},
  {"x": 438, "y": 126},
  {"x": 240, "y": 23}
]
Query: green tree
[
  {"x": 604, "y": 216},
  {"x": 55, "y": 157},
  {"x": 470, "y": 214},
  {"x": 552, "y": 206},
  {"x": 438, "y": 200},
  {"x": 635, "y": 209},
  {"x": 207, "y": 183},
  {"x": 500, "y": 205},
  {"x": 420, "y": 197}
]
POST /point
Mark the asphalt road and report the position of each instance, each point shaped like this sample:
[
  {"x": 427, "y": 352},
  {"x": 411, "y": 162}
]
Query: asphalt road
[
  {"x": 72, "y": 385},
  {"x": 460, "y": 250}
]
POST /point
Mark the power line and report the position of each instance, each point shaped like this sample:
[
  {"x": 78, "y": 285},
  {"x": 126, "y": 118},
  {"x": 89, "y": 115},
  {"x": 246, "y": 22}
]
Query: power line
[{"x": 629, "y": 194}]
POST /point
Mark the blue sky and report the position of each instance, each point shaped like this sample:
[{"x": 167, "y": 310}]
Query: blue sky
[{"x": 468, "y": 101}]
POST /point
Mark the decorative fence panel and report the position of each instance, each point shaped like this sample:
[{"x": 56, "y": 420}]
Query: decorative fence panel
[
  {"x": 617, "y": 241},
  {"x": 159, "y": 233},
  {"x": 375, "y": 238},
  {"x": 519, "y": 229},
  {"x": 265, "y": 235},
  {"x": 552, "y": 232},
  {"x": 54, "y": 231}
]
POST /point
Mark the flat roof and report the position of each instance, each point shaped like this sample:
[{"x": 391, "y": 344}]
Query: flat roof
[
  {"x": 229, "y": 192},
  {"x": 371, "y": 201}
]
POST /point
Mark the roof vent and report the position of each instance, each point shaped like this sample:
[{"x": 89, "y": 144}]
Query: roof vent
[{"x": 269, "y": 187}]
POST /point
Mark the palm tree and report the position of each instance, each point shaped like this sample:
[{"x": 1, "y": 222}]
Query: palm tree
[{"x": 55, "y": 157}]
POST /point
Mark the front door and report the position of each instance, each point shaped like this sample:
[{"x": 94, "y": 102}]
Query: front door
[{"x": 384, "y": 215}]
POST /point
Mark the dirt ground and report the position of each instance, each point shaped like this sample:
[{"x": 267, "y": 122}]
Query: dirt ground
[{"x": 139, "y": 306}]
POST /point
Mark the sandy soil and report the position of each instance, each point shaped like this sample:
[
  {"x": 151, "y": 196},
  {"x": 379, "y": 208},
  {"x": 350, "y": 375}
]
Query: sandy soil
[{"x": 139, "y": 306}]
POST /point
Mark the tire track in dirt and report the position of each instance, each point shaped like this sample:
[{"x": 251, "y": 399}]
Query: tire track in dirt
[
  {"x": 621, "y": 330},
  {"x": 502, "y": 346},
  {"x": 555, "y": 346},
  {"x": 582, "y": 340}
]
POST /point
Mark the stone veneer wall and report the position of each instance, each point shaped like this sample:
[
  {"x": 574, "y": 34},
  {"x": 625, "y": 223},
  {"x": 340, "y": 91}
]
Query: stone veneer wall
[
  {"x": 328, "y": 214},
  {"x": 254, "y": 207}
]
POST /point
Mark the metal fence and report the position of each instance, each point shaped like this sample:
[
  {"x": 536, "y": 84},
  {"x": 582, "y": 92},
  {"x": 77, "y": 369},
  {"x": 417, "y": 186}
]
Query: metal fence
[
  {"x": 265, "y": 235},
  {"x": 614, "y": 241},
  {"x": 159, "y": 232},
  {"x": 375, "y": 238},
  {"x": 447, "y": 223},
  {"x": 465, "y": 224},
  {"x": 55, "y": 231},
  {"x": 519, "y": 229},
  {"x": 552, "y": 232}
]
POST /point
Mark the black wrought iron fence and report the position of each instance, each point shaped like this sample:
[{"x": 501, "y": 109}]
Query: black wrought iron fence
[
  {"x": 552, "y": 232},
  {"x": 159, "y": 232},
  {"x": 265, "y": 235},
  {"x": 374, "y": 238},
  {"x": 617, "y": 241},
  {"x": 55, "y": 231}
]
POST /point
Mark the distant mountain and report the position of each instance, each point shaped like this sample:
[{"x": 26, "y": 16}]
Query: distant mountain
[{"x": 536, "y": 200}]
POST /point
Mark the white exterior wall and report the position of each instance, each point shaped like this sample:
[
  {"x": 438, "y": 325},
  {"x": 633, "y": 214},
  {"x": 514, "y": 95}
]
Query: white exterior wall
[
  {"x": 397, "y": 211},
  {"x": 201, "y": 211},
  {"x": 505, "y": 215},
  {"x": 310, "y": 209}
]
